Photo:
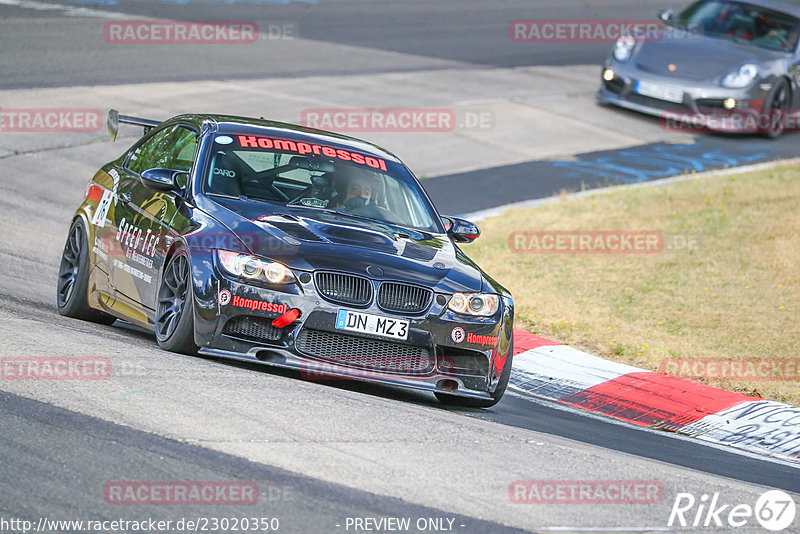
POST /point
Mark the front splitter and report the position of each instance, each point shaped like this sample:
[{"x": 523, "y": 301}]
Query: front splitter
[{"x": 314, "y": 370}]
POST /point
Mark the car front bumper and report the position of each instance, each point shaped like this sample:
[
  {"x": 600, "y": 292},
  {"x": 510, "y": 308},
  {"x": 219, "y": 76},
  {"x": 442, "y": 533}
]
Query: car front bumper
[
  {"x": 701, "y": 107},
  {"x": 432, "y": 358}
]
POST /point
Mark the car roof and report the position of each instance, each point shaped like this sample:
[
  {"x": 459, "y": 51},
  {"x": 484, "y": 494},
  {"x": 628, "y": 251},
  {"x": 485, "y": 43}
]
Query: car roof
[{"x": 231, "y": 124}]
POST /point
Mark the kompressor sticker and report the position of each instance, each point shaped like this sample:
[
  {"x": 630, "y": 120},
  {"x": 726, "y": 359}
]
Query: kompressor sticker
[
  {"x": 251, "y": 141},
  {"x": 481, "y": 340},
  {"x": 458, "y": 335},
  {"x": 256, "y": 305}
]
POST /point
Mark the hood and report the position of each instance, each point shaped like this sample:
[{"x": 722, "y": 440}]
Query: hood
[
  {"x": 697, "y": 57},
  {"x": 309, "y": 239}
]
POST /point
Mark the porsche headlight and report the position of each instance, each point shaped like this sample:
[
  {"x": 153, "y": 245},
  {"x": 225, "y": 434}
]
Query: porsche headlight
[
  {"x": 477, "y": 304},
  {"x": 623, "y": 48},
  {"x": 246, "y": 266},
  {"x": 741, "y": 77}
]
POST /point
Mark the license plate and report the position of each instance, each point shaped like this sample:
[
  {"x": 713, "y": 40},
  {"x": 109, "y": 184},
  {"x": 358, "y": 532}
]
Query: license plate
[
  {"x": 662, "y": 92},
  {"x": 376, "y": 325}
]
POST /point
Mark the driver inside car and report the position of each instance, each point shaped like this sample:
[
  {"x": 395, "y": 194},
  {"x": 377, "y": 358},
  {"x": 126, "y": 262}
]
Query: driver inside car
[{"x": 357, "y": 192}]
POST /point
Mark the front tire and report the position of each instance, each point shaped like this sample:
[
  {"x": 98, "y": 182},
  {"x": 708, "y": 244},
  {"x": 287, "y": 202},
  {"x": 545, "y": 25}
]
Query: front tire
[
  {"x": 467, "y": 402},
  {"x": 72, "y": 295},
  {"x": 174, "y": 322},
  {"x": 776, "y": 108}
]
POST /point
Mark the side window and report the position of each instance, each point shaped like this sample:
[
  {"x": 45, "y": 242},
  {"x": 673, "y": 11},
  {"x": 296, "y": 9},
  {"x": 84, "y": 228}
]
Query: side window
[{"x": 170, "y": 148}]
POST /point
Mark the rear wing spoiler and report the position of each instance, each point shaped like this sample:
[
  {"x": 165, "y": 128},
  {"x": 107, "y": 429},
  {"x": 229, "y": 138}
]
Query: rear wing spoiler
[{"x": 114, "y": 120}]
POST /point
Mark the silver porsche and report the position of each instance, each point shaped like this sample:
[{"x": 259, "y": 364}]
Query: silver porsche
[{"x": 718, "y": 65}]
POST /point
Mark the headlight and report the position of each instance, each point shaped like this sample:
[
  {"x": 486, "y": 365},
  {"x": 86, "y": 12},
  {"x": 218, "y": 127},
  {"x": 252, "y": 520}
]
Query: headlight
[
  {"x": 741, "y": 77},
  {"x": 478, "y": 304},
  {"x": 624, "y": 48},
  {"x": 247, "y": 266}
]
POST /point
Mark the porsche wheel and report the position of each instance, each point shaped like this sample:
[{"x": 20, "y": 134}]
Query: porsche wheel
[
  {"x": 73, "y": 278},
  {"x": 775, "y": 110},
  {"x": 174, "y": 322},
  {"x": 467, "y": 402}
]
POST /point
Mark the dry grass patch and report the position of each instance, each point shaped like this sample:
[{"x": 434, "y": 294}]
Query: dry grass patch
[{"x": 732, "y": 293}]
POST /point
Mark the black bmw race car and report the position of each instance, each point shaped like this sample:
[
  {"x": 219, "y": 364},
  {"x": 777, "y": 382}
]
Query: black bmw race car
[{"x": 258, "y": 240}]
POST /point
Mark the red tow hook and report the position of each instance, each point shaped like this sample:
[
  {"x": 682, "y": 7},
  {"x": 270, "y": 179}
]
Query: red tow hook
[{"x": 287, "y": 318}]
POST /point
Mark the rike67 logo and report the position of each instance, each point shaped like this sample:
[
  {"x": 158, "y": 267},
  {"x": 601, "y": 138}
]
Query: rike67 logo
[{"x": 774, "y": 510}]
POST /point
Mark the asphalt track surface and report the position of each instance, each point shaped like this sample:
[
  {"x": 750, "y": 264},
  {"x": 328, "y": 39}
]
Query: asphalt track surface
[
  {"x": 508, "y": 184},
  {"x": 331, "y": 450},
  {"x": 37, "y": 52},
  {"x": 58, "y": 481}
]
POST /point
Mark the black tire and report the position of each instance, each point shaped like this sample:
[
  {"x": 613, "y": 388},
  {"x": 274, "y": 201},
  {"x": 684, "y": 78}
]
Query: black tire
[
  {"x": 467, "y": 402},
  {"x": 174, "y": 322},
  {"x": 775, "y": 109},
  {"x": 72, "y": 293}
]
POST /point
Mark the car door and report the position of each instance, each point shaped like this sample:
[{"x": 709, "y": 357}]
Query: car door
[{"x": 143, "y": 217}]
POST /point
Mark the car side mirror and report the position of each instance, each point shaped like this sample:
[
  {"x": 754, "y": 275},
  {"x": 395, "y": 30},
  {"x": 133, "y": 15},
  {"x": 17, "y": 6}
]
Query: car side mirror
[
  {"x": 163, "y": 180},
  {"x": 666, "y": 16},
  {"x": 460, "y": 230}
]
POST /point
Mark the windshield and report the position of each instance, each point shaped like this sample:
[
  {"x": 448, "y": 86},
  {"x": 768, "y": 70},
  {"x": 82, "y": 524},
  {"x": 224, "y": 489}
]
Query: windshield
[
  {"x": 285, "y": 172},
  {"x": 742, "y": 22}
]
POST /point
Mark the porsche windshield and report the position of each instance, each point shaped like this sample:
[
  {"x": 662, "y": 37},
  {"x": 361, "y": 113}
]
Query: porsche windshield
[
  {"x": 742, "y": 22},
  {"x": 316, "y": 177}
]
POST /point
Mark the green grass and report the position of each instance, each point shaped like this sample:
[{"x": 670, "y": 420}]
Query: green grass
[{"x": 732, "y": 292}]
